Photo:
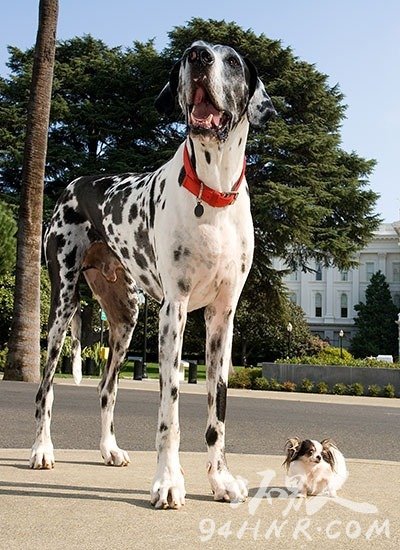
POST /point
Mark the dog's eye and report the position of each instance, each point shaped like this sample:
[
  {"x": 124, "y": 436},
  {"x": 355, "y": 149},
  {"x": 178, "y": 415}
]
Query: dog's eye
[{"x": 233, "y": 61}]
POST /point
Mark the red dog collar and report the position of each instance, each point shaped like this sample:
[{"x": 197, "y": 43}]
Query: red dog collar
[{"x": 204, "y": 193}]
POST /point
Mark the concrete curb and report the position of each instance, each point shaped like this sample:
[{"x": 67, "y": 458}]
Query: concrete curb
[{"x": 200, "y": 389}]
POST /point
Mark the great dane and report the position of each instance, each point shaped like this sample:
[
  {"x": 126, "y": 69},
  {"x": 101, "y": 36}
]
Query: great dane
[{"x": 184, "y": 235}]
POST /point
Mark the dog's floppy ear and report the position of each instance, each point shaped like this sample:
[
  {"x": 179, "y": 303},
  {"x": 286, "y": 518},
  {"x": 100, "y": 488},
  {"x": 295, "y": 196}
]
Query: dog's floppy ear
[
  {"x": 291, "y": 449},
  {"x": 327, "y": 455},
  {"x": 260, "y": 108},
  {"x": 165, "y": 102}
]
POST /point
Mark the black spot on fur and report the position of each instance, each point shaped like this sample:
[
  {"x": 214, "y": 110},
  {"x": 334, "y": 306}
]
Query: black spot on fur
[
  {"x": 112, "y": 427},
  {"x": 140, "y": 259},
  {"x": 133, "y": 212},
  {"x": 215, "y": 343},
  {"x": 182, "y": 175},
  {"x": 104, "y": 401},
  {"x": 72, "y": 216},
  {"x": 174, "y": 393},
  {"x": 163, "y": 427},
  {"x": 60, "y": 241},
  {"x": 70, "y": 258},
  {"x": 220, "y": 402},
  {"x": 125, "y": 252},
  {"x": 211, "y": 436},
  {"x": 208, "y": 157},
  {"x": 184, "y": 285},
  {"x": 152, "y": 206}
]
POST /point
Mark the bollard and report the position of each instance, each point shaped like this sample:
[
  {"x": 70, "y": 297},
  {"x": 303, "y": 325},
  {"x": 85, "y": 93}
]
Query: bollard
[
  {"x": 90, "y": 368},
  {"x": 66, "y": 365},
  {"x": 137, "y": 369},
  {"x": 192, "y": 376}
]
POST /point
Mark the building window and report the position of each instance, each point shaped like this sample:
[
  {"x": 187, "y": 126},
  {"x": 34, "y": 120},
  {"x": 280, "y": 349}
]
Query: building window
[
  {"x": 318, "y": 304},
  {"x": 344, "y": 275},
  {"x": 369, "y": 269},
  {"x": 293, "y": 297},
  {"x": 396, "y": 272},
  {"x": 343, "y": 306},
  {"x": 293, "y": 276},
  {"x": 396, "y": 300},
  {"x": 318, "y": 272}
]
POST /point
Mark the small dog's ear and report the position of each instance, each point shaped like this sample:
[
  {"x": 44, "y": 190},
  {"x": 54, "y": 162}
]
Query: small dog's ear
[
  {"x": 260, "y": 108},
  {"x": 165, "y": 101},
  {"x": 327, "y": 455},
  {"x": 291, "y": 448}
]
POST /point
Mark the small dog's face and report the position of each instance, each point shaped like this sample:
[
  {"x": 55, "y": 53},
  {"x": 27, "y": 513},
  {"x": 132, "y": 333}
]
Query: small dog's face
[{"x": 309, "y": 451}]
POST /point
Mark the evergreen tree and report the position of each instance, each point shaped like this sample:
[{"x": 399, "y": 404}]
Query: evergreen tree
[{"x": 377, "y": 331}]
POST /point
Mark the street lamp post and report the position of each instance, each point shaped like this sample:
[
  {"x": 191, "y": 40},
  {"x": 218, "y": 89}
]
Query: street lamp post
[
  {"x": 341, "y": 334},
  {"x": 289, "y": 329}
]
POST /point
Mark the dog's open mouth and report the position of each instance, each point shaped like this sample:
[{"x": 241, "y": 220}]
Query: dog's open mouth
[{"x": 204, "y": 115}]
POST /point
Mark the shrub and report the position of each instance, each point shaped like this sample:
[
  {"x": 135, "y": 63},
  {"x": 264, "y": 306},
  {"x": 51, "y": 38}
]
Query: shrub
[
  {"x": 289, "y": 386},
  {"x": 240, "y": 379},
  {"x": 322, "y": 387},
  {"x": 3, "y": 357},
  {"x": 374, "y": 390},
  {"x": 254, "y": 373},
  {"x": 274, "y": 385},
  {"x": 389, "y": 391},
  {"x": 261, "y": 384},
  {"x": 339, "y": 389},
  {"x": 306, "y": 386},
  {"x": 356, "y": 389}
]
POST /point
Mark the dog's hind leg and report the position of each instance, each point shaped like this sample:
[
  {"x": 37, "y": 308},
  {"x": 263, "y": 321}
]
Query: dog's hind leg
[
  {"x": 117, "y": 295},
  {"x": 64, "y": 300},
  {"x": 219, "y": 324}
]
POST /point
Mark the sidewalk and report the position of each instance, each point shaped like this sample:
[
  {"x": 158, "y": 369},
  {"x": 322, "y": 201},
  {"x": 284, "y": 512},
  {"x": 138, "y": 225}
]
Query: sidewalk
[{"x": 84, "y": 505}]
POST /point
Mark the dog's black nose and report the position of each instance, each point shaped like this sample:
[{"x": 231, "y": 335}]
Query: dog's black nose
[
  {"x": 318, "y": 458},
  {"x": 200, "y": 55}
]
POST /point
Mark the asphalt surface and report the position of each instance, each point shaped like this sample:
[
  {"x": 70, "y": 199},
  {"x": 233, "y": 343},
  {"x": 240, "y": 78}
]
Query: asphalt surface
[{"x": 254, "y": 426}]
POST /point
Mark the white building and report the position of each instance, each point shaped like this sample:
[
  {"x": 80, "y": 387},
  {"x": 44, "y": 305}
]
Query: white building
[{"x": 328, "y": 295}]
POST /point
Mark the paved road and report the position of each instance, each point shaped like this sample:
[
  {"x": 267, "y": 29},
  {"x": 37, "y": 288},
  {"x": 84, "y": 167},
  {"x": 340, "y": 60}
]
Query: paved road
[{"x": 254, "y": 426}]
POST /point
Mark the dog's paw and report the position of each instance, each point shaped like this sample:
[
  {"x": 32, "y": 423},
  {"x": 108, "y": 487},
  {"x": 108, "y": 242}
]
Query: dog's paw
[
  {"x": 114, "y": 456},
  {"x": 226, "y": 487},
  {"x": 42, "y": 456},
  {"x": 168, "y": 490}
]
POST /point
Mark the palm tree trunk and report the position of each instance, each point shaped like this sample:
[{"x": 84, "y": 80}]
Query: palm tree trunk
[{"x": 23, "y": 362}]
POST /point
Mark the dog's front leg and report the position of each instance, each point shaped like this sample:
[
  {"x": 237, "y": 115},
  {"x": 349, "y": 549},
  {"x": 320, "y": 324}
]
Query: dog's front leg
[
  {"x": 219, "y": 323},
  {"x": 168, "y": 489}
]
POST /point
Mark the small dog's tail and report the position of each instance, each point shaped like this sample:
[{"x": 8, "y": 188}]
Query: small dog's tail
[{"x": 76, "y": 326}]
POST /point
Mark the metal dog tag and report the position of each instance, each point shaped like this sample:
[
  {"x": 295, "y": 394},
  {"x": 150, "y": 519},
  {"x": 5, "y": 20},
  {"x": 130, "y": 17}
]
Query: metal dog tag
[{"x": 199, "y": 210}]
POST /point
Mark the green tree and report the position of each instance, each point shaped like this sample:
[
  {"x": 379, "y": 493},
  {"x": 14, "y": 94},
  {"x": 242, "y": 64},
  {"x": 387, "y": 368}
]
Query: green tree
[
  {"x": 377, "y": 331},
  {"x": 260, "y": 331},
  {"x": 8, "y": 242},
  {"x": 23, "y": 361},
  {"x": 310, "y": 198}
]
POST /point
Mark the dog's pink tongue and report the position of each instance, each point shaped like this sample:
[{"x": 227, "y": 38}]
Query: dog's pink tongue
[{"x": 204, "y": 112}]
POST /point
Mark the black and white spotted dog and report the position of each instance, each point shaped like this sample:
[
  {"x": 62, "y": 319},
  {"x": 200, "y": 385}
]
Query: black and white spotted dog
[{"x": 184, "y": 234}]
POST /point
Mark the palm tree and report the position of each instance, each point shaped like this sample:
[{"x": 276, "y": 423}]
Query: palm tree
[{"x": 23, "y": 362}]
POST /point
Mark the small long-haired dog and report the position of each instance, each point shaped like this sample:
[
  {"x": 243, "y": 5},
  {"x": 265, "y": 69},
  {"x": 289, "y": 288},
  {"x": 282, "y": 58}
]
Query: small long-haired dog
[{"x": 315, "y": 467}]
